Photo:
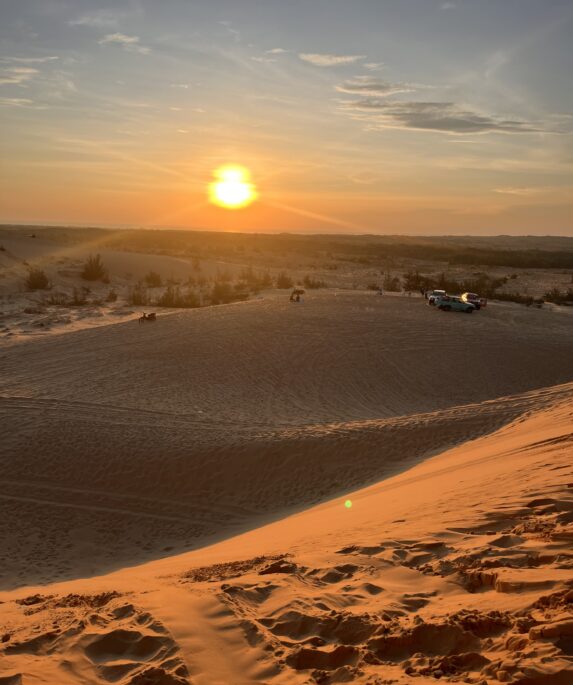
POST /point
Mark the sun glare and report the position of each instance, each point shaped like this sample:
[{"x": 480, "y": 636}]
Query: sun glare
[{"x": 232, "y": 188}]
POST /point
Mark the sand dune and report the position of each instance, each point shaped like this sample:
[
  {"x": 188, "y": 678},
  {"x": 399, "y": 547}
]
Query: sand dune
[
  {"x": 459, "y": 568},
  {"x": 128, "y": 442}
]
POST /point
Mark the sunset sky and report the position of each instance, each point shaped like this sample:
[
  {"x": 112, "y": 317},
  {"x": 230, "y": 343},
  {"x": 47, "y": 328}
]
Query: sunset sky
[{"x": 370, "y": 116}]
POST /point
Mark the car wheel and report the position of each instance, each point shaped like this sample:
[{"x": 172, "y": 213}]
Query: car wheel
[
  {"x": 469, "y": 310},
  {"x": 446, "y": 308}
]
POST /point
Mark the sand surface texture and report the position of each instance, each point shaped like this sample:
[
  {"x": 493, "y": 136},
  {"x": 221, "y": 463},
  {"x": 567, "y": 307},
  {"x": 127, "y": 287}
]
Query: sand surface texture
[
  {"x": 458, "y": 569},
  {"x": 125, "y": 442},
  {"x": 241, "y": 431}
]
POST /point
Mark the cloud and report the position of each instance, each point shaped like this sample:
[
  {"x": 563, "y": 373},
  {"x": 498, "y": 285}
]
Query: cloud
[
  {"x": 29, "y": 60},
  {"x": 448, "y": 6},
  {"x": 101, "y": 19},
  {"x": 445, "y": 117},
  {"x": 366, "y": 85},
  {"x": 320, "y": 60},
  {"x": 373, "y": 66},
  {"x": 16, "y": 102},
  {"x": 16, "y": 75},
  {"x": 263, "y": 60},
  {"x": 276, "y": 51},
  {"x": 525, "y": 192},
  {"x": 129, "y": 43}
]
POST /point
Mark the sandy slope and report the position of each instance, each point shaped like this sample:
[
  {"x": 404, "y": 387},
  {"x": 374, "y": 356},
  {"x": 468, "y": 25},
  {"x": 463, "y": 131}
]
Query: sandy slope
[
  {"x": 459, "y": 568},
  {"x": 123, "y": 443},
  {"x": 29, "y": 314}
]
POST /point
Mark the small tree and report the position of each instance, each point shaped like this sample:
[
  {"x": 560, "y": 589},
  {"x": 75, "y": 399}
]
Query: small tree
[
  {"x": 175, "y": 297},
  {"x": 138, "y": 295},
  {"x": 37, "y": 280},
  {"x": 313, "y": 283},
  {"x": 94, "y": 269},
  {"x": 391, "y": 283},
  {"x": 153, "y": 280},
  {"x": 284, "y": 281}
]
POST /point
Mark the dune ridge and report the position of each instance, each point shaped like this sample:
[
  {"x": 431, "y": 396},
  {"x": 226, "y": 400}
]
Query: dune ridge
[
  {"x": 124, "y": 443},
  {"x": 458, "y": 569}
]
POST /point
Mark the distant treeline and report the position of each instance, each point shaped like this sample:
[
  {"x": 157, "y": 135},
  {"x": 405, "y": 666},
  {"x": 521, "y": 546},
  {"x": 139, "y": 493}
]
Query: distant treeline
[{"x": 362, "y": 249}]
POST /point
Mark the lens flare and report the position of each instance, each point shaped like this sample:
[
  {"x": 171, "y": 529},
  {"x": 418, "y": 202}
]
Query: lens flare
[
  {"x": 348, "y": 503},
  {"x": 232, "y": 188}
]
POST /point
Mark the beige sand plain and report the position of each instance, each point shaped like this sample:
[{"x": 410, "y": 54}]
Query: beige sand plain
[{"x": 238, "y": 432}]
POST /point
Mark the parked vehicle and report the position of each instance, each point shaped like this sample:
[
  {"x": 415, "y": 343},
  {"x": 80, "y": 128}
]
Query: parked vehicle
[
  {"x": 454, "y": 304},
  {"x": 477, "y": 301},
  {"x": 432, "y": 295}
]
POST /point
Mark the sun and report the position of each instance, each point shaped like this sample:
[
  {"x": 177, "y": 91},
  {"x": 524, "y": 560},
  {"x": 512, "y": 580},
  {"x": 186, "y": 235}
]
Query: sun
[{"x": 232, "y": 188}]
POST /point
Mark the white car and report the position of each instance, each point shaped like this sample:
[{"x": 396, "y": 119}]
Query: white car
[{"x": 433, "y": 295}]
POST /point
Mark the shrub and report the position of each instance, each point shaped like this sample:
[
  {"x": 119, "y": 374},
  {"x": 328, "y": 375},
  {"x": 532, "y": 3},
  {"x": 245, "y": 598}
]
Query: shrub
[
  {"x": 391, "y": 283},
  {"x": 138, "y": 295},
  {"x": 223, "y": 293},
  {"x": 37, "y": 280},
  {"x": 79, "y": 297},
  {"x": 284, "y": 281},
  {"x": 58, "y": 299},
  {"x": 254, "y": 282},
  {"x": 111, "y": 296},
  {"x": 224, "y": 276},
  {"x": 94, "y": 269},
  {"x": 557, "y": 297},
  {"x": 313, "y": 283},
  {"x": 175, "y": 297},
  {"x": 153, "y": 280}
]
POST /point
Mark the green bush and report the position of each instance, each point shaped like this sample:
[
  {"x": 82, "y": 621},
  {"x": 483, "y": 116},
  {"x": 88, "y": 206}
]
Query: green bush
[
  {"x": 391, "y": 283},
  {"x": 313, "y": 283},
  {"x": 37, "y": 280},
  {"x": 284, "y": 281},
  {"x": 223, "y": 293},
  {"x": 79, "y": 297},
  {"x": 557, "y": 297},
  {"x": 175, "y": 297},
  {"x": 94, "y": 269},
  {"x": 58, "y": 299},
  {"x": 138, "y": 295},
  {"x": 153, "y": 280}
]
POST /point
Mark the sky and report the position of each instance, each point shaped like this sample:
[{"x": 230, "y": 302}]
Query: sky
[{"x": 352, "y": 116}]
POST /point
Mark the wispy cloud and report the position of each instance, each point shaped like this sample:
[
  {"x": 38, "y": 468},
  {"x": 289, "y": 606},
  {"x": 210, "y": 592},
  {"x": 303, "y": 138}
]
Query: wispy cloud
[
  {"x": 367, "y": 85},
  {"x": 16, "y": 102},
  {"x": 129, "y": 43},
  {"x": 16, "y": 75},
  {"x": 444, "y": 117},
  {"x": 276, "y": 51},
  {"x": 524, "y": 192},
  {"x": 324, "y": 60},
  {"x": 263, "y": 60},
  {"x": 373, "y": 66},
  {"x": 101, "y": 19},
  {"x": 29, "y": 60}
]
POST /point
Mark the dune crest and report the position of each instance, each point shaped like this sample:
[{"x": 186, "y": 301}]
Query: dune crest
[{"x": 472, "y": 583}]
